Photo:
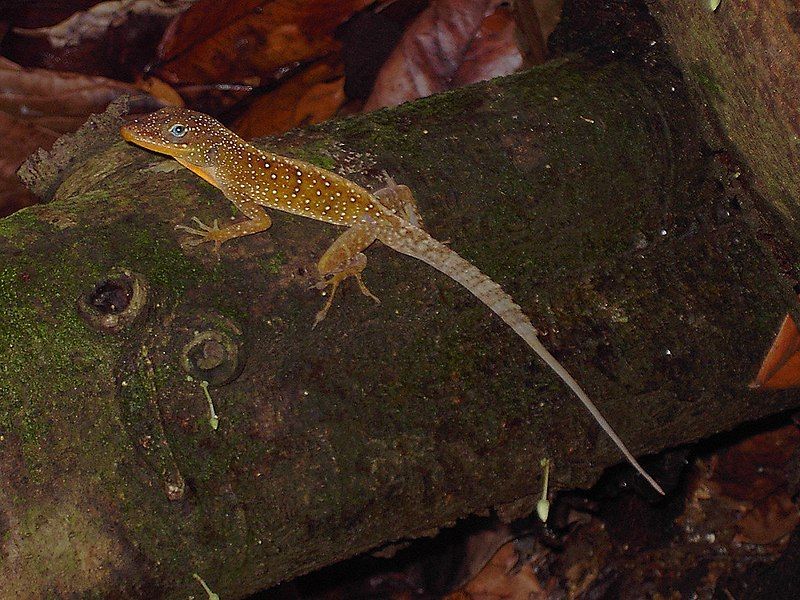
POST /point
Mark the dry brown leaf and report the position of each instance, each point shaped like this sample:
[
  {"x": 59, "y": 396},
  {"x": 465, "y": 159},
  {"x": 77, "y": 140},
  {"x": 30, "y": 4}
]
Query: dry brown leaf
[
  {"x": 756, "y": 467},
  {"x": 310, "y": 97},
  {"x": 42, "y": 13},
  {"x": 161, "y": 90},
  {"x": 250, "y": 41},
  {"x": 115, "y": 39},
  {"x": 536, "y": 20},
  {"x": 94, "y": 22},
  {"x": 214, "y": 98},
  {"x": 367, "y": 40},
  {"x": 20, "y": 139},
  {"x": 496, "y": 581},
  {"x": 549, "y": 14},
  {"x": 59, "y": 101},
  {"x": 13, "y": 196},
  {"x": 770, "y": 520},
  {"x": 492, "y": 52},
  {"x": 433, "y": 50},
  {"x": 36, "y": 106}
]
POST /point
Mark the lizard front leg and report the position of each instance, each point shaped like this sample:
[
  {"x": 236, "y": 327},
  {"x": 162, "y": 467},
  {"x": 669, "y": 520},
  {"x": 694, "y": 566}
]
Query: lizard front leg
[
  {"x": 258, "y": 220},
  {"x": 344, "y": 259}
]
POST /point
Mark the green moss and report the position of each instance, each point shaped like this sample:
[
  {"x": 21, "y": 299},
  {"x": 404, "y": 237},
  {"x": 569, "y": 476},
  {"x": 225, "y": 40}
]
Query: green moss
[
  {"x": 181, "y": 195},
  {"x": 274, "y": 263},
  {"x": 24, "y": 221},
  {"x": 316, "y": 153},
  {"x": 61, "y": 546},
  {"x": 41, "y": 333},
  {"x": 703, "y": 76},
  {"x": 166, "y": 267}
]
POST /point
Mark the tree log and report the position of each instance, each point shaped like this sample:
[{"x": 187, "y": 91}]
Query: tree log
[
  {"x": 585, "y": 191},
  {"x": 740, "y": 61}
]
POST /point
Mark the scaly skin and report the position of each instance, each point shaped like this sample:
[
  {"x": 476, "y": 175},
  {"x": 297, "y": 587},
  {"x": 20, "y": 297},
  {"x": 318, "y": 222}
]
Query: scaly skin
[{"x": 253, "y": 179}]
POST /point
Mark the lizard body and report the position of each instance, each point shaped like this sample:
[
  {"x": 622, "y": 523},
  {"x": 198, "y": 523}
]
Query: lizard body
[{"x": 253, "y": 179}]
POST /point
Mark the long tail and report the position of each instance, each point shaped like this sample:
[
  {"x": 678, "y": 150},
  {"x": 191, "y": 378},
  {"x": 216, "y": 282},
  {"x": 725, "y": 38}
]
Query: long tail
[{"x": 415, "y": 242}]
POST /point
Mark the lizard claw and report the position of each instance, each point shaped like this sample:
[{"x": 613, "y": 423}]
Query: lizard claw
[
  {"x": 388, "y": 179},
  {"x": 364, "y": 289},
  {"x": 321, "y": 284},
  {"x": 204, "y": 227},
  {"x": 319, "y": 318},
  {"x": 205, "y": 233},
  {"x": 333, "y": 280}
]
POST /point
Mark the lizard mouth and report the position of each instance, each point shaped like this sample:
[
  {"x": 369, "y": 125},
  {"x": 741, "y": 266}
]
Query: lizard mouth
[
  {"x": 130, "y": 134},
  {"x": 127, "y": 133},
  {"x": 131, "y": 131}
]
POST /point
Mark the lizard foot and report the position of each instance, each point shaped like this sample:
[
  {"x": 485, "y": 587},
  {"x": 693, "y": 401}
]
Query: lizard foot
[
  {"x": 334, "y": 282},
  {"x": 388, "y": 179},
  {"x": 205, "y": 233}
]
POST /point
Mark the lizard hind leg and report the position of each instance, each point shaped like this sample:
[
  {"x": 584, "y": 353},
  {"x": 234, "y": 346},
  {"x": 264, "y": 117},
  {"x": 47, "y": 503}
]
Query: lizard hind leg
[
  {"x": 345, "y": 259},
  {"x": 400, "y": 200}
]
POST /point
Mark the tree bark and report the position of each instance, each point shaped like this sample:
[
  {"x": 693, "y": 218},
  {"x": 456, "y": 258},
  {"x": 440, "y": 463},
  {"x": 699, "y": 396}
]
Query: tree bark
[
  {"x": 740, "y": 61},
  {"x": 586, "y": 192}
]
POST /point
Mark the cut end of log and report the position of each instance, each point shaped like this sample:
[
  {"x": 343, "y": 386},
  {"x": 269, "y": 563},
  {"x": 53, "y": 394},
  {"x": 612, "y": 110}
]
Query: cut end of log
[{"x": 781, "y": 367}]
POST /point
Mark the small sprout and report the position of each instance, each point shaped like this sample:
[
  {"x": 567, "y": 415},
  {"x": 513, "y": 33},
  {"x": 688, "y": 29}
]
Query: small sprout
[
  {"x": 214, "y": 419},
  {"x": 543, "y": 505},
  {"x": 211, "y": 595},
  {"x": 713, "y": 4}
]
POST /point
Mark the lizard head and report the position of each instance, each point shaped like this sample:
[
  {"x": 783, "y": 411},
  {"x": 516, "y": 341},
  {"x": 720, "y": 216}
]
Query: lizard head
[{"x": 179, "y": 132}]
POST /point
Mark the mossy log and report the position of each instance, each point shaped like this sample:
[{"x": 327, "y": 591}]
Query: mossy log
[
  {"x": 585, "y": 191},
  {"x": 740, "y": 61}
]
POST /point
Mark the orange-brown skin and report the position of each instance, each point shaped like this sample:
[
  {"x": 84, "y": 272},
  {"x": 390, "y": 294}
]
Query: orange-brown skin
[{"x": 254, "y": 179}]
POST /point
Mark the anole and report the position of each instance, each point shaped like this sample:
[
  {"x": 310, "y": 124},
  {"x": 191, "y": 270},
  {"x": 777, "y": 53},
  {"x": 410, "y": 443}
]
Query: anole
[{"x": 254, "y": 179}]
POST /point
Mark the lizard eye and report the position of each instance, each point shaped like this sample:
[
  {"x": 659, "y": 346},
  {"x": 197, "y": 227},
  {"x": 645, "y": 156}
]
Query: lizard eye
[{"x": 178, "y": 130}]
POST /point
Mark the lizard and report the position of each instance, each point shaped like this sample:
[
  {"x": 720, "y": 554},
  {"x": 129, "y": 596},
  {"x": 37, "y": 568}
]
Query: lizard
[{"x": 254, "y": 179}]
